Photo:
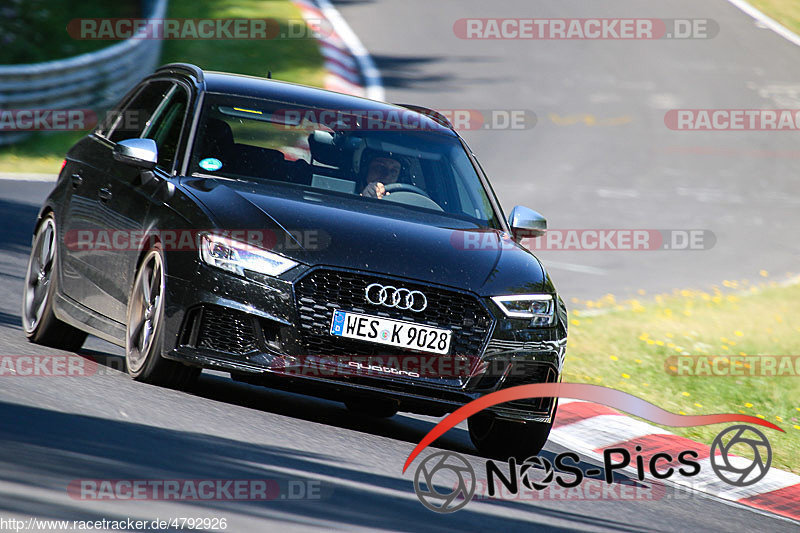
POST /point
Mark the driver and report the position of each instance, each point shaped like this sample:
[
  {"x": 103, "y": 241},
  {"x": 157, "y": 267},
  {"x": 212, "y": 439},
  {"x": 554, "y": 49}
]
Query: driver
[{"x": 383, "y": 170}]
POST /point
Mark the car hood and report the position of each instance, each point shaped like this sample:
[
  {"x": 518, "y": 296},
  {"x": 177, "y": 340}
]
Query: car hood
[{"x": 323, "y": 229}]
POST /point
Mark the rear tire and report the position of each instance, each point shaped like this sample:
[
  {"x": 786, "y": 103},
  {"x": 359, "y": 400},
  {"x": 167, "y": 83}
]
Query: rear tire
[
  {"x": 500, "y": 439},
  {"x": 38, "y": 319},
  {"x": 144, "y": 333}
]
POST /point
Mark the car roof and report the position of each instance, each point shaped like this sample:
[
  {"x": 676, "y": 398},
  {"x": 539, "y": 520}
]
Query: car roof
[{"x": 304, "y": 96}]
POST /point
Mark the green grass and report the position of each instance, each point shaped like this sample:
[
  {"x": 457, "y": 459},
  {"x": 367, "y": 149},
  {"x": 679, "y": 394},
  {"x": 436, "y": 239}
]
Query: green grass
[
  {"x": 787, "y": 12},
  {"x": 627, "y": 346},
  {"x": 295, "y": 60},
  {"x": 41, "y": 153}
]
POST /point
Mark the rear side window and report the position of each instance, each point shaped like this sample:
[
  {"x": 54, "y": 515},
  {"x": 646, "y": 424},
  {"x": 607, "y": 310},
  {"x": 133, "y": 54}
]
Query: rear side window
[{"x": 135, "y": 117}]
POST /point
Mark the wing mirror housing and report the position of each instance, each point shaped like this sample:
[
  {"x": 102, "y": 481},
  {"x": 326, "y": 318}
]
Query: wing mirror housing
[
  {"x": 139, "y": 153},
  {"x": 526, "y": 223}
]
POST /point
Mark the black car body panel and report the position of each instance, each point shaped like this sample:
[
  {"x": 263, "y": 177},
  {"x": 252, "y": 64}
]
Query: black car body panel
[
  {"x": 260, "y": 327},
  {"x": 376, "y": 238}
]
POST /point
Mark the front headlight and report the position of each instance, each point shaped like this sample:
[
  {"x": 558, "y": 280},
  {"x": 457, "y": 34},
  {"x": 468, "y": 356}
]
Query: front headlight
[
  {"x": 234, "y": 256},
  {"x": 540, "y": 308}
]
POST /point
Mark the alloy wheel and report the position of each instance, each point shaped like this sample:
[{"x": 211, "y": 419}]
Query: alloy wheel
[
  {"x": 39, "y": 276},
  {"x": 145, "y": 311}
]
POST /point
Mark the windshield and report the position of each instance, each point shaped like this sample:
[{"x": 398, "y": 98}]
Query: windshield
[{"x": 341, "y": 154}]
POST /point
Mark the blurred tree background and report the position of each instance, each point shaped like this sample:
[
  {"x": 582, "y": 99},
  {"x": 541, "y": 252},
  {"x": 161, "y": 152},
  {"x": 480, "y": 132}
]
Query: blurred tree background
[{"x": 36, "y": 30}]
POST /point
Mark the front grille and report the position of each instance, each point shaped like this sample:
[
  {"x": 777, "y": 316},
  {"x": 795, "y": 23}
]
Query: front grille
[
  {"x": 227, "y": 330},
  {"x": 527, "y": 372},
  {"x": 500, "y": 353},
  {"x": 323, "y": 290},
  {"x": 500, "y": 346}
]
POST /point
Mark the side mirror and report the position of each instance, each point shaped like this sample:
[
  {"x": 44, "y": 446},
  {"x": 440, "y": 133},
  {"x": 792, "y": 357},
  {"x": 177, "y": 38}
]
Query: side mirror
[
  {"x": 139, "y": 153},
  {"x": 526, "y": 222}
]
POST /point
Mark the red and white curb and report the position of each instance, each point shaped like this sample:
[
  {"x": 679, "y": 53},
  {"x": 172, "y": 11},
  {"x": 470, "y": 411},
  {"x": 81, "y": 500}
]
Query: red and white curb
[
  {"x": 349, "y": 67},
  {"x": 589, "y": 428}
]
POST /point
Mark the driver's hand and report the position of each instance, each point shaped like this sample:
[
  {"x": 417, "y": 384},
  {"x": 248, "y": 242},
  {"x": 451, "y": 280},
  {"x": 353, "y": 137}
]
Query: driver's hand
[{"x": 376, "y": 189}]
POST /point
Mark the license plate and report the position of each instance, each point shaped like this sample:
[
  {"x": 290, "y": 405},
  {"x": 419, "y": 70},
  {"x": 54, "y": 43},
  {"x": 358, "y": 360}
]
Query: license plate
[{"x": 390, "y": 332}]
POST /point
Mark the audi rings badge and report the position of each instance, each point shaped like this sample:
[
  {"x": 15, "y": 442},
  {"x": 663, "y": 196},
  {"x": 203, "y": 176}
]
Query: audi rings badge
[{"x": 401, "y": 298}]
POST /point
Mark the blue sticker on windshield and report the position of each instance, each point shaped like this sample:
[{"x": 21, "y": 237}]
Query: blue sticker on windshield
[{"x": 211, "y": 163}]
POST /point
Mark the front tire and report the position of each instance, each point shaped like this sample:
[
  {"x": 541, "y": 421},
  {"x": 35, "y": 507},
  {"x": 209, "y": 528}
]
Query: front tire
[
  {"x": 500, "y": 439},
  {"x": 38, "y": 319},
  {"x": 144, "y": 333}
]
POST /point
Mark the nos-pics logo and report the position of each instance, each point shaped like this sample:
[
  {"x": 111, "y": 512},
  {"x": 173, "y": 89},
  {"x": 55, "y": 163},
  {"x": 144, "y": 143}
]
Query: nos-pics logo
[
  {"x": 435, "y": 487},
  {"x": 732, "y": 469}
]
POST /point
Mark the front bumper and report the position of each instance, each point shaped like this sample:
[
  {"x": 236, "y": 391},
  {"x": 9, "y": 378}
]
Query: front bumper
[{"x": 272, "y": 332}]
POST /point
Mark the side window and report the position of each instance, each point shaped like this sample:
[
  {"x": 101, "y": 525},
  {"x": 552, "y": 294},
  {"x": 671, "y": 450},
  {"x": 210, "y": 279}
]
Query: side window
[
  {"x": 112, "y": 114},
  {"x": 134, "y": 118},
  {"x": 165, "y": 128}
]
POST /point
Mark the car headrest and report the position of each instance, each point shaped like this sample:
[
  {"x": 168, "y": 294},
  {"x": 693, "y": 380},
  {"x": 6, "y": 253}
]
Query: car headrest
[{"x": 217, "y": 138}]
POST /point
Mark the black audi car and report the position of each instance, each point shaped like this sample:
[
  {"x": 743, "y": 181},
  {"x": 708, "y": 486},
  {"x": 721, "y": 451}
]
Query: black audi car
[{"x": 299, "y": 239}]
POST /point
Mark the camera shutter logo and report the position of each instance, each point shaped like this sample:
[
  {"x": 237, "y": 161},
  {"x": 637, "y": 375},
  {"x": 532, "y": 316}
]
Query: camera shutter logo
[
  {"x": 535, "y": 463},
  {"x": 457, "y": 497},
  {"x": 735, "y": 470}
]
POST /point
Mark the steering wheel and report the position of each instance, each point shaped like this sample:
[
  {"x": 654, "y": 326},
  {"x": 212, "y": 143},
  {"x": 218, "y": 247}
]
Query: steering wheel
[
  {"x": 405, "y": 187},
  {"x": 405, "y": 193}
]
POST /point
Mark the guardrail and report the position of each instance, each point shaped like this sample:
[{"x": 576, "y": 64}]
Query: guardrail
[{"x": 95, "y": 80}]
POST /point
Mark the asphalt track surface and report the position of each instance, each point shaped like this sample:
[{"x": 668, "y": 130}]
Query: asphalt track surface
[
  {"x": 56, "y": 430},
  {"x": 600, "y": 155}
]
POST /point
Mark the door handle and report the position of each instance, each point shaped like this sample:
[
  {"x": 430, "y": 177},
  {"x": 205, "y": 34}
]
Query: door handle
[
  {"x": 77, "y": 180},
  {"x": 105, "y": 194}
]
